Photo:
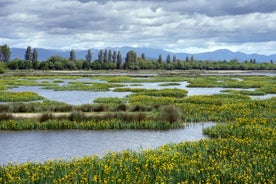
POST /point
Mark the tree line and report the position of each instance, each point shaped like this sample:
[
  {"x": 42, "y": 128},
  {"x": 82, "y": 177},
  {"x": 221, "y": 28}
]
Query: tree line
[{"x": 109, "y": 60}]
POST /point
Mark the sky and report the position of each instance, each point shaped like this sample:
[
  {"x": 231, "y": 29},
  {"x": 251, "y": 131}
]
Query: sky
[{"x": 191, "y": 26}]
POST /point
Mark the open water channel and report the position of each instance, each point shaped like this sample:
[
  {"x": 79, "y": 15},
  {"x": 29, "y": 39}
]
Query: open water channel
[{"x": 42, "y": 145}]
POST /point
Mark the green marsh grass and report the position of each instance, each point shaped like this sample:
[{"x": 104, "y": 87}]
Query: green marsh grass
[{"x": 6, "y": 96}]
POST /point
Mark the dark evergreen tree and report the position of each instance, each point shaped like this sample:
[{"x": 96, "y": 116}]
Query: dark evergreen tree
[
  {"x": 28, "y": 54},
  {"x": 72, "y": 55},
  {"x": 88, "y": 56}
]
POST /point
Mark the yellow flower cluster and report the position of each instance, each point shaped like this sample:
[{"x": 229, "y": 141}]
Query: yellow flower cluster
[{"x": 19, "y": 96}]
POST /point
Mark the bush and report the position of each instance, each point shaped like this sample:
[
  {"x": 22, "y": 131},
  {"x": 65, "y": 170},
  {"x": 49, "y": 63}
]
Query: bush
[
  {"x": 2, "y": 68},
  {"x": 76, "y": 116},
  {"x": 170, "y": 114},
  {"x": 121, "y": 107},
  {"x": 45, "y": 117}
]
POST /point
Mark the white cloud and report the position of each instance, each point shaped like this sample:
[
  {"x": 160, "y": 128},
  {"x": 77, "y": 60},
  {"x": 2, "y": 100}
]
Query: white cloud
[{"x": 176, "y": 25}]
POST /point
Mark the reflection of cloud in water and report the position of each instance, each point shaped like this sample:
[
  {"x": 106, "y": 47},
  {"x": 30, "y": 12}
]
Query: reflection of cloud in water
[{"x": 51, "y": 144}]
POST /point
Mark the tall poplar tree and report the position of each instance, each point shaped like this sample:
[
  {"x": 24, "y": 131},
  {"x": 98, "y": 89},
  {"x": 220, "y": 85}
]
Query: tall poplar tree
[
  {"x": 5, "y": 53},
  {"x": 160, "y": 59},
  {"x": 109, "y": 56},
  {"x": 114, "y": 56},
  {"x": 72, "y": 55},
  {"x": 168, "y": 59},
  {"x": 88, "y": 56},
  {"x": 119, "y": 60},
  {"x": 174, "y": 58},
  {"x": 101, "y": 56},
  {"x": 35, "y": 55},
  {"x": 28, "y": 54}
]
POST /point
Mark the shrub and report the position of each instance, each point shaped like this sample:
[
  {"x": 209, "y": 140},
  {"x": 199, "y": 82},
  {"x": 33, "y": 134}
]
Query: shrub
[
  {"x": 170, "y": 114},
  {"x": 45, "y": 117},
  {"x": 2, "y": 68},
  {"x": 121, "y": 107},
  {"x": 100, "y": 108},
  {"x": 76, "y": 116}
]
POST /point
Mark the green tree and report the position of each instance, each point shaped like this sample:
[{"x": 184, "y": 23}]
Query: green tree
[
  {"x": 187, "y": 59},
  {"x": 5, "y": 53},
  {"x": 114, "y": 56},
  {"x": 88, "y": 56},
  {"x": 35, "y": 62},
  {"x": 174, "y": 58},
  {"x": 143, "y": 56},
  {"x": 119, "y": 60},
  {"x": 28, "y": 54},
  {"x": 160, "y": 58},
  {"x": 168, "y": 59},
  {"x": 105, "y": 56},
  {"x": 101, "y": 56},
  {"x": 192, "y": 58},
  {"x": 2, "y": 67},
  {"x": 109, "y": 56},
  {"x": 72, "y": 55},
  {"x": 35, "y": 55},
  {"x": 131, "y": 58}
]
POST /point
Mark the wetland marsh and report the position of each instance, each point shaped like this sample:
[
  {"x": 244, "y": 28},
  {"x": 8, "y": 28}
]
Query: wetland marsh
[{"x": 241, "y": 148}]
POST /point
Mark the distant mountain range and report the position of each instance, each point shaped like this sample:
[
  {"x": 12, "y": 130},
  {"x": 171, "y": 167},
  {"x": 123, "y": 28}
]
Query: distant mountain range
[{"x": 218, "y": 55}]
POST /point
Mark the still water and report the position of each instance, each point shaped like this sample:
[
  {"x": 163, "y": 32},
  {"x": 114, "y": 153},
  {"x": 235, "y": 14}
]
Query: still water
[
  {"x": 23, "y": 146},
  {"x": 86, "y": 97}
]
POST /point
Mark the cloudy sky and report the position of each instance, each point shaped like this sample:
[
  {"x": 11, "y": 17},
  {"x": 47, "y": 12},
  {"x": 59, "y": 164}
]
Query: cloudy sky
[{"x": 175, "y": 25}]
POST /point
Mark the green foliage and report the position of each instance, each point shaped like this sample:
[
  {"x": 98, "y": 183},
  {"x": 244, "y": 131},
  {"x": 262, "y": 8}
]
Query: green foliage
[
  {"x": 2, "y": 67},
  {"x": 170, "y": 84},
  {"x": 170, "y": 114},
  {"x": 19, "y": 96},
  {"x": 28, "y": 54},
  {"x": 4, "y": 54}
]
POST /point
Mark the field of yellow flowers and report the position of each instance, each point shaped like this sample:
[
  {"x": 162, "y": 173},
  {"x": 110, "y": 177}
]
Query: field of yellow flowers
[{"x": 242, "y": 149}]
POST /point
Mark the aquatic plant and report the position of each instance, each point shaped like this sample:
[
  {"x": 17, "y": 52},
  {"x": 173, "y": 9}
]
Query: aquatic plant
[{"x": 6, "y": 96}]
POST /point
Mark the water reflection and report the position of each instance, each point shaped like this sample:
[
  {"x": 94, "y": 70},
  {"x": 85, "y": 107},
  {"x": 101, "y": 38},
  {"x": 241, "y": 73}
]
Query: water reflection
[{"x": 22, "y": 146}]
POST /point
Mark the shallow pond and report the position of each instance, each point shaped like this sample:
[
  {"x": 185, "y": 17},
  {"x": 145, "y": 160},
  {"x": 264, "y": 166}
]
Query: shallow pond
[
  {"x": 85, "y": 97},
  {"x": 22, "y": 146}
]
